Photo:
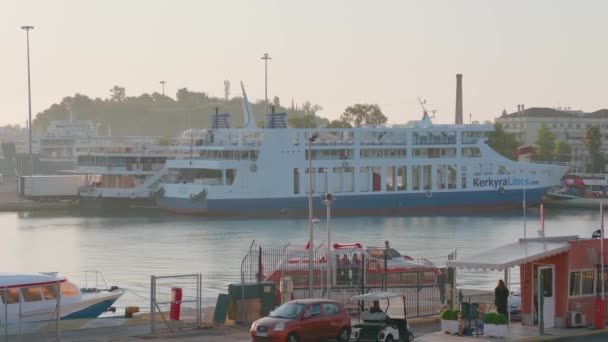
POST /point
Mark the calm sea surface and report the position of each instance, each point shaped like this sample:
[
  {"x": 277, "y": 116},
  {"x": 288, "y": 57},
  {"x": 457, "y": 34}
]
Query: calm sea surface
[{"x": 129, "y": 249}]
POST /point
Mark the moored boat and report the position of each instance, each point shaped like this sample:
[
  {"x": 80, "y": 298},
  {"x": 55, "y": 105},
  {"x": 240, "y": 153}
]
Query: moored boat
[
  {"x": 347, "y": 262},
  {"x": 580, "y": 190},
  {"x": 41, "y": 297},
  {"x": 373, "y": 169}
]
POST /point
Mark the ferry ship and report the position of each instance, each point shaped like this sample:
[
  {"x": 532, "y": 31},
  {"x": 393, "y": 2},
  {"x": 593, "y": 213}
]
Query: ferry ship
[
  {"x": 122, "y": 176},
  {"x": 128, "y": 173},
  {"x": 374, "y": 169}
]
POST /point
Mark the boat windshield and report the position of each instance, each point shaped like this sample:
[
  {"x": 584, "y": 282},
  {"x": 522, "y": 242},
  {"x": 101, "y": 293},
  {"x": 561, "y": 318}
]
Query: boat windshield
[
  {"x": 288, "y": 310},
  {"x": 570, "y": 191},
  {"x": 378, "y": 253}
]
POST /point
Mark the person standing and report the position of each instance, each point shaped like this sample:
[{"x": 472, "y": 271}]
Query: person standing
[
  {"x": 440, "y": 283},
  {"x": 501, "y": 297}
]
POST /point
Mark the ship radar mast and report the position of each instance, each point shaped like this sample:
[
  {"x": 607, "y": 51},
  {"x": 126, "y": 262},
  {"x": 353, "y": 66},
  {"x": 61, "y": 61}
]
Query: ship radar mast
[
  {"x": 426, "y": 111},
  {"x": 426, "y": 118}
]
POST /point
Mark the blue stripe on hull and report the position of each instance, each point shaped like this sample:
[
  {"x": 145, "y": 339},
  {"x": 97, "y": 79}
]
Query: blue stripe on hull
[
  {"x": 92, "y": 311},
  {"x": 364, "y": 204}
]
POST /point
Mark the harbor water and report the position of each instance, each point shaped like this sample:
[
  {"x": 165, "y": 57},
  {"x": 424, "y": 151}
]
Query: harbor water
[{"x": 129, "y": 249}]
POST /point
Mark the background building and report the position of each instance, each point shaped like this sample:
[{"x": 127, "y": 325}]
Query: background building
[{"x": 566, "y": 124}]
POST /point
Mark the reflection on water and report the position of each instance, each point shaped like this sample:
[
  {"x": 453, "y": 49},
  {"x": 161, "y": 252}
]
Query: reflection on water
[{"x": 129, "y": 249}]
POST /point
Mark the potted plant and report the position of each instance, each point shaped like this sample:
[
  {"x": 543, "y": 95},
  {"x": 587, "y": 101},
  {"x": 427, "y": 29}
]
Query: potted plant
[
  {"x": 495, "y": 325},
  {"x": 449, "y": 321}
]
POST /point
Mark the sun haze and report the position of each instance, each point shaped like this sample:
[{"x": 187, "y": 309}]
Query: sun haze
[{"x": 331, "y": 53}]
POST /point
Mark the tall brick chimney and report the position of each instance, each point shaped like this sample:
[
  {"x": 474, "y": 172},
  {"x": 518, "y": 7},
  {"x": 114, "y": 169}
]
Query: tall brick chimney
[{"x": 459, "y": 99}]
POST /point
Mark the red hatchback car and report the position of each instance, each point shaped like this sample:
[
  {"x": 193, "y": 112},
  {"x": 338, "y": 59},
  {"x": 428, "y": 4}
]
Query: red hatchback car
[{"x": 303, "y": 320}]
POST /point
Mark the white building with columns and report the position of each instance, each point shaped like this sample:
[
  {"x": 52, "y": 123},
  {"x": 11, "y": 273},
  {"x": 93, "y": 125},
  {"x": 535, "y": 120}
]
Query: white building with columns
[{"x": 566, "y": 124}]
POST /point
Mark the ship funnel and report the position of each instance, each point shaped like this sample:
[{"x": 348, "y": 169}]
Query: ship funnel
[
  {"x": 249, "y": 118},
  {"x": 458, "y": 99}
]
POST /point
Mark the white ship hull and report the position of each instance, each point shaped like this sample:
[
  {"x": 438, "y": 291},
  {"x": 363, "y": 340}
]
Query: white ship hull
[{"x": 365, "y": 177}]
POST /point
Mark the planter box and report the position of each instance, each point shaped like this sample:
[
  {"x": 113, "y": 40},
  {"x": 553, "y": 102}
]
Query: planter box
[
  {"x": 494, "y": 330},
  {"x": 449, "y": 326}
]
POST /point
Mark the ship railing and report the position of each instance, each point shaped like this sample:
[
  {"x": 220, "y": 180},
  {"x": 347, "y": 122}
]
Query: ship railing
[{"x": 95, "y": 278}]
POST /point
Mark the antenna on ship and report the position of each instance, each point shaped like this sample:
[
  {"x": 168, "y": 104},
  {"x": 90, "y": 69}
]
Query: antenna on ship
[{"x": 426, "y": 111}]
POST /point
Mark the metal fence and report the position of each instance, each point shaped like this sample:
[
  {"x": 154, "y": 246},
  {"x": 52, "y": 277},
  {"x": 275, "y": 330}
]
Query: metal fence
[
  {"x": 162, "y": 296},
  {"x": 348, "y": 271}
]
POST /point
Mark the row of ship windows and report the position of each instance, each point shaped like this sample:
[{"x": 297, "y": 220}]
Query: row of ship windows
[
  {"x": 370, "y": 179},
  {"x": 396, "y": 178},
  {"x": 373, "y": 153}
]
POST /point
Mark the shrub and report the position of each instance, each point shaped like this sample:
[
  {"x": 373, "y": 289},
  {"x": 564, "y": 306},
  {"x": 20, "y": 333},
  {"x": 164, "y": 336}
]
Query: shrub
[
  {"x": 500, "y": 319},
  {"x": 494, "y": 318},
  {"x": 489, "y": 318},
  {"x": 445, "y": 314},
  {"x": 449, "y": 315}
]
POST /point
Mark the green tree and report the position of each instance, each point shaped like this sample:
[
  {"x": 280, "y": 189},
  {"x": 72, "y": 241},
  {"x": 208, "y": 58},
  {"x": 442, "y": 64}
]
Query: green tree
[
  {"x": 563, "y": 151},
  {"x": 276, "y": 102},
  {"x": 118, "y": 94},
  {"x": 363, "y": 114},
  {"x": 305, "y": 121},
  {"x": 545, "y": 143},
  {"x": 338, "y": 124},
  {"x": 310, "y": 109},
  {"x": 503, "y": 142},
  {"x": 593, "y": 141}
]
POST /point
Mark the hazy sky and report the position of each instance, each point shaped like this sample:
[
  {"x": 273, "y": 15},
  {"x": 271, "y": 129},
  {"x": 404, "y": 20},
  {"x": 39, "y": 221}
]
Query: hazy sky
[{"x": 332, "y": 53}]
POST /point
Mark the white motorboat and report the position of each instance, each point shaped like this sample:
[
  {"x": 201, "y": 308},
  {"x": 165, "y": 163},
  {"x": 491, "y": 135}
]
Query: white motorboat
[{"x": 40, "y": 297}]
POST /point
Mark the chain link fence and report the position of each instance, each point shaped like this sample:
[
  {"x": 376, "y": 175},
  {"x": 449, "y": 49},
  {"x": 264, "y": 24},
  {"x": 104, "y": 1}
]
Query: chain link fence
[{"x": 348, "y": 270}]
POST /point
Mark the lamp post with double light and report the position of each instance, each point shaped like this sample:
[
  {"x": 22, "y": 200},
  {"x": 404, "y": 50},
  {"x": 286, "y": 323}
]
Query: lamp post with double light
[
  {"x": 266, "y": 57},
  {"x": 312, "y": 138},
  {"x": 163, "y": 86}
]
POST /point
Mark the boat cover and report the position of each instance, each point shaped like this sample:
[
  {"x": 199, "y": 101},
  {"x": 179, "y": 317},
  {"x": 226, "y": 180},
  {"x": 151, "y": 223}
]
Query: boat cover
[
  {"x": 515, "y": 254},
  {"x": 376, "y": 296}
]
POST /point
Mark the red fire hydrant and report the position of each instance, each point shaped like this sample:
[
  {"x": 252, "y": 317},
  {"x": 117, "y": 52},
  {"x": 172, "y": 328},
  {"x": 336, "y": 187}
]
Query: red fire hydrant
[
  {"x": 600, "y": 313},
  {"x": 176, "y": 303}
]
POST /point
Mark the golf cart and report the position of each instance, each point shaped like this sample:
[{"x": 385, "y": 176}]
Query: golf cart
[{"x": 378, "y": 326}]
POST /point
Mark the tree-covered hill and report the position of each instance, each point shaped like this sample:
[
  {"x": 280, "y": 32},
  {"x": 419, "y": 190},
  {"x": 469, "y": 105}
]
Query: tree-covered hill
[{"x": 159, "y": 115}]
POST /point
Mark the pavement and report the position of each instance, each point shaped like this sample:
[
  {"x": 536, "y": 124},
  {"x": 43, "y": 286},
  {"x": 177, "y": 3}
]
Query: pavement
[
  {"x": 426, "y": 330},
  {"x": 518, "y": 333}
]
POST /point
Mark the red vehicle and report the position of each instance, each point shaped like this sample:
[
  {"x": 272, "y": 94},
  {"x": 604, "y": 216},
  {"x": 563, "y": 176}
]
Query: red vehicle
[{"x": 303, "y": 320}]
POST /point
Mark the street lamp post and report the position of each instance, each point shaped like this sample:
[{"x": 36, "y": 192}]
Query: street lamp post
[
  {"x": 163, "y": 86},
  {"x": 266, "y": 57},
  {"x": 311, "y": 249},
  {"x": 327, "y": 200},
  {"x": 29, "y": 95}
]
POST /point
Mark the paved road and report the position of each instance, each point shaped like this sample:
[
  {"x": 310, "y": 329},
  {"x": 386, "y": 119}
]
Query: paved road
[{"x": 593, "y": 338}]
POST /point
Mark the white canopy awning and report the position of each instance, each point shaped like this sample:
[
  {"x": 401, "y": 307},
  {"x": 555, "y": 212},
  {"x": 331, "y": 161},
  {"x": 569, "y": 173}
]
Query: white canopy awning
[{"x": 515, "y": 254}]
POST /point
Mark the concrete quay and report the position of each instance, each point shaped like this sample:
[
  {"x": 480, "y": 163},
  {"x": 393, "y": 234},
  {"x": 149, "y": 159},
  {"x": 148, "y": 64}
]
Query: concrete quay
[{"x": 9, "y": 201}]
